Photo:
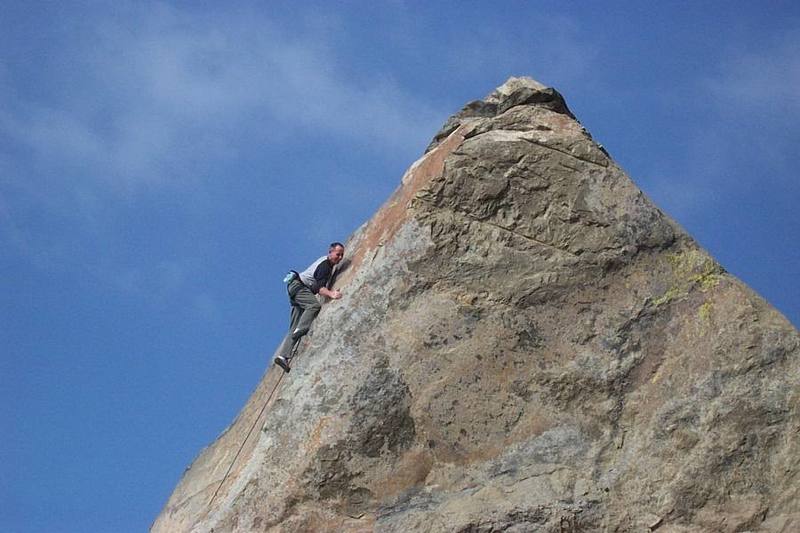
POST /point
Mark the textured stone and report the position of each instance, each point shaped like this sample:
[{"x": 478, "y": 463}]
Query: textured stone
[{"x": 526, "y": 343}]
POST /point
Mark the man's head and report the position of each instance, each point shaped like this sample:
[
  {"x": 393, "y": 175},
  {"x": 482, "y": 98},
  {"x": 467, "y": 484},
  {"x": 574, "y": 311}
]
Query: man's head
[{"x": 335, "y": 252}]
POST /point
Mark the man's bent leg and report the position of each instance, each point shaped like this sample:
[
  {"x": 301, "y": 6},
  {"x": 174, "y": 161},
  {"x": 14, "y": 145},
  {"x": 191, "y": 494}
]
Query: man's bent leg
[
  {"x": 306, "y": 300},
  {"x": 294, "y": 318},
  {"x": 287, "y": 345},
  {"x": 305, "y": 308}
]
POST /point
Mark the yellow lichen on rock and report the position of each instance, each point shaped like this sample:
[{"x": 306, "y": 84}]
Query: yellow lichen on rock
[
  {"x": 690, "y": 268},
  {"x": 705, "y": 311}
]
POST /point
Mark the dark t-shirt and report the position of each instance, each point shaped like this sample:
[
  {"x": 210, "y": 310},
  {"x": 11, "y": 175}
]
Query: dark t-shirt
[{"x": 318, "y": 274}]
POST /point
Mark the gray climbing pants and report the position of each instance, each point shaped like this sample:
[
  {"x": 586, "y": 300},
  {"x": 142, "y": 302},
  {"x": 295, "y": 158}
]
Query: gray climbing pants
[{"x": 305, "y": 308}]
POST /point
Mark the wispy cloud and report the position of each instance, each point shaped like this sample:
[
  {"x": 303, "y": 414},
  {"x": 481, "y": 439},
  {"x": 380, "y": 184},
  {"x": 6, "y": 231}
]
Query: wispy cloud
[
  {"x": 764, "y": 79},
  {"x": 740, "y": 132},
  {"x": 155, "y": 87},
  {"x": 144, "y": 97},
  {"x": 160, "y": 283},
  {"x": 757, "y": 102}
]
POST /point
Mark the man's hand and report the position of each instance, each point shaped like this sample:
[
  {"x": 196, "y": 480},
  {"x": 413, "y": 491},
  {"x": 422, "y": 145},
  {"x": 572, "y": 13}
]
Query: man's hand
[{"x": 332, "y": 294}]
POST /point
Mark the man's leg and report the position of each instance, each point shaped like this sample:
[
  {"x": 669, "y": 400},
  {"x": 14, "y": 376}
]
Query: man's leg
[
  {"x": 287, "y": 345},
  {"x": 305, "y": 308},
  {"x": 307, "y": 301},
  {"x": 294, "y": 318}
]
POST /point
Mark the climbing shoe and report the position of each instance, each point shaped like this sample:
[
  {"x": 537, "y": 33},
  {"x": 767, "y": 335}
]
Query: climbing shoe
[{"x": 282, "y": 362}]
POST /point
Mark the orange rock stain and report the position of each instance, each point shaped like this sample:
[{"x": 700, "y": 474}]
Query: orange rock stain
[{"x": 391, "y": 216}]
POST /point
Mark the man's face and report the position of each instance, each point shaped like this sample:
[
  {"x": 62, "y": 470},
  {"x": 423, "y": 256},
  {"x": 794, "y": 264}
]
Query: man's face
[{"x": 335, "y": 254}]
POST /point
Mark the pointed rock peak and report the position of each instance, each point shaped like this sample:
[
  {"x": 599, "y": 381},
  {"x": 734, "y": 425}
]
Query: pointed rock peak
[
  {"x": 517, "y": 82},
  {"x": 522, "y": 91},
  {"x": 525, "y": 91},
  {"x": 515, "y": 86}
]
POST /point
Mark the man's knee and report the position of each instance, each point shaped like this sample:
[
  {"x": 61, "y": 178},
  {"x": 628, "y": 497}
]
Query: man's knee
[
  {"x": 312, "y": 307},
  {"x": 300, "y": 331}
]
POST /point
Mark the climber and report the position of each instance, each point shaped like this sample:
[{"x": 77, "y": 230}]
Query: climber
[{"x": 303, "y": 288}]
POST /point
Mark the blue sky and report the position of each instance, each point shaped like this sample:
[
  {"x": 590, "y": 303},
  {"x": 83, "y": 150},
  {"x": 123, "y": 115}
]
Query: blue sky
[{"x": 163, "y": 164}]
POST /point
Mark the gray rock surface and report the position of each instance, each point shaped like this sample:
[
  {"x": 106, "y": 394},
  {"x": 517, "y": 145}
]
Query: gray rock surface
[{"x": 526, "y": 343}]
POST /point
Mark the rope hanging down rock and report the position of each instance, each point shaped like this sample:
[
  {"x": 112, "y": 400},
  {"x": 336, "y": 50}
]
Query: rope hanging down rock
[{"x": 263, "y": 408}]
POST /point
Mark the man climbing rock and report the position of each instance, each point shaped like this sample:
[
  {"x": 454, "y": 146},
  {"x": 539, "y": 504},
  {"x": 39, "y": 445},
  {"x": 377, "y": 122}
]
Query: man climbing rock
[{"x": 303, "y": 288}]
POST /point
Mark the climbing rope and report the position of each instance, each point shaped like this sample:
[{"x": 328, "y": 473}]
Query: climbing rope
[{"x": 263, "y": 408}]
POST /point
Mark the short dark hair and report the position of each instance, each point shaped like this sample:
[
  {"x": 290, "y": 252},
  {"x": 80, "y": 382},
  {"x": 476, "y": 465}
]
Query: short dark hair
[{"x": 334, "y": 244}]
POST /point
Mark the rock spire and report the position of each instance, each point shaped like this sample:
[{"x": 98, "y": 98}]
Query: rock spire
[{"x": 526, "y": 343}]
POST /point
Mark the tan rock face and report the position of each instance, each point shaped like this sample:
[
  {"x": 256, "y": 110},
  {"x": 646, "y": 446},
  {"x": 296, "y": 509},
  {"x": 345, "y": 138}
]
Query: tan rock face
[{"x": 526, "y": 343}]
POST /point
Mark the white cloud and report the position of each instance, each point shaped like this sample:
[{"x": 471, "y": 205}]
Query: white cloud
[
  {"x": 146, "y": 97},
  {"x": 161, "y": 283},
  {"x": 158, "y": 87},
  {"x": 741, "y": 132},
  {"x": 764, "y": 80},
  {"x": 756, "y": 98}
]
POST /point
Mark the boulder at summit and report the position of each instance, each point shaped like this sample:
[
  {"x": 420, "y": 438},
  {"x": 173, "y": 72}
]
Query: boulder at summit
[{"x": 526, "y": 343}]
